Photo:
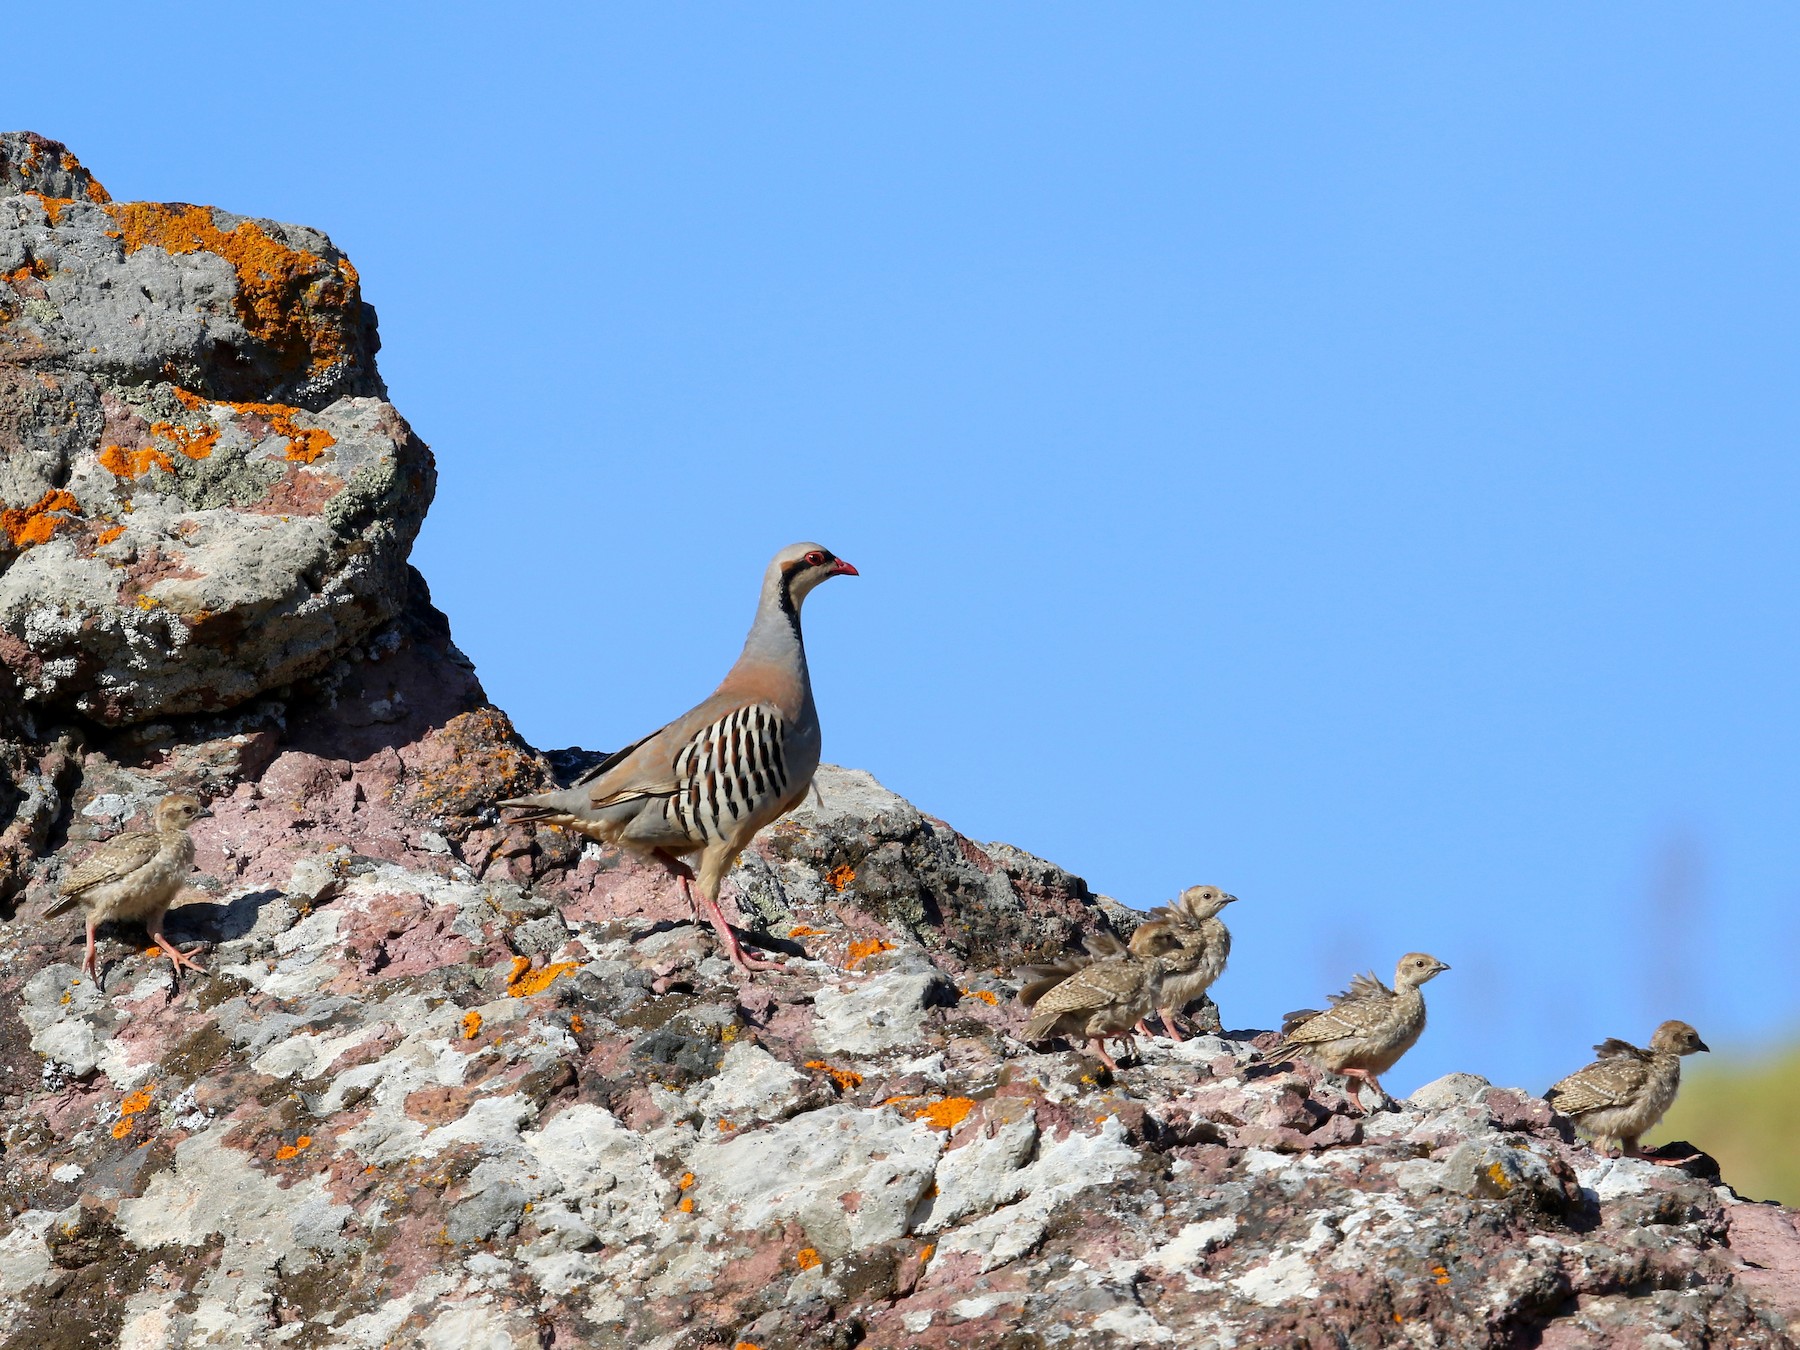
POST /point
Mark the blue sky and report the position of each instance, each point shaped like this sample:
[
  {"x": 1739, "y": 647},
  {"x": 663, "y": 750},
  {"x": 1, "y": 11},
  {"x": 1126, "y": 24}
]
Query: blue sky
[{"x": 1345, "y": 457}]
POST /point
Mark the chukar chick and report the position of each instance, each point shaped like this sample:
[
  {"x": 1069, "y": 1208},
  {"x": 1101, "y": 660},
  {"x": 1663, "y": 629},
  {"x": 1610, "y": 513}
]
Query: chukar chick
[
  {"x": 1366, "y": 1029},
  {"x": 1626, "y": 1090},
  {"x": 1046, "y": 975},
  {"x": 1105, "y": 997},
  {"x": 709, "y": 780},
  {"x": 136, "y": 875},
  {"x": 1205, "y": 946}
]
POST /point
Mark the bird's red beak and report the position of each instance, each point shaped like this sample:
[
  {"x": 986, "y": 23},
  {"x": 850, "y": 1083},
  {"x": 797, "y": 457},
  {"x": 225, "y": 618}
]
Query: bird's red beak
[{"x": 840, "y": 568}]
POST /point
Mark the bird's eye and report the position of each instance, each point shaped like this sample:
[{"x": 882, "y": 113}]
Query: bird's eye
[{"x": 815, "y": 558}]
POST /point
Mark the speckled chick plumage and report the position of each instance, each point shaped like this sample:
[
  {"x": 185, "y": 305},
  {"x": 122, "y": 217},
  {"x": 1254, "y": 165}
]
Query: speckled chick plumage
[
  {"x": 1626, "y": 1090},
  {"x": 1367, "y": 1027},
  {"x": 1203, "y": 947},
  {"x": 135, "y": 875},
  {"x": 709, "y": 780},
  {"x": 1105, "y": 997}
]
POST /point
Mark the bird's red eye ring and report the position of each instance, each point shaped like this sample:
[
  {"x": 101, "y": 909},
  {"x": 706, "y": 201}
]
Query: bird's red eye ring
[{"x": 815, "y": 558}]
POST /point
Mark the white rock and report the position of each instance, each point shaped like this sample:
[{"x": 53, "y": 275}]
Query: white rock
[
  {"x": 981, "y": 1174},
  {"x": 805, "y": 1168},
  {"x": 887, "y": 1011}
]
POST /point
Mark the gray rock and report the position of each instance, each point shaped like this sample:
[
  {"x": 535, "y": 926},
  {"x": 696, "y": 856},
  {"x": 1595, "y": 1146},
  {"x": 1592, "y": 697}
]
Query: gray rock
[{"x": 206, "y": 494}]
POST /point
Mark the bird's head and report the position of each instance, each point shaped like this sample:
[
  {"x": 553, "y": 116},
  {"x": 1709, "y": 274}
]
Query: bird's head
[
  {"x": 1153, "y": 937},
  {"x": 800, "y": 567},
  {"x": 1202, "y": 902},
  {"x": 1417, "y": 967},
  {"x": 1677, "y": 1038},
  {"x": 178, "y": 810}
]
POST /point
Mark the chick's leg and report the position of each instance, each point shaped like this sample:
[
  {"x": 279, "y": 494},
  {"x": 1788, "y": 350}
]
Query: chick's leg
[{"x": 178, "y": 958}]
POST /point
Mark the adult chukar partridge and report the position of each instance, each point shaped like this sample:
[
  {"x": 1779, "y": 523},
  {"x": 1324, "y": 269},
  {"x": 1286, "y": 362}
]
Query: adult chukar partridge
[
  {"x": 713, "y": 777},
  {"x": 1626, "y": 1090},
  {"x": 136, "y": 875},
  {"x": 1366, "y": 1029}
]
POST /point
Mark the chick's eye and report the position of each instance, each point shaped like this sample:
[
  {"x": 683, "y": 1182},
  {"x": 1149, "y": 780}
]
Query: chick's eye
[{"x": 814, "y": 558}]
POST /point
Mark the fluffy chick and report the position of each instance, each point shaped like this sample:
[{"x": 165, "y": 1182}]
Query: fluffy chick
[
  {"x": 1626, "y": 1090},
  {"x": 1046, "y": 975},
  {"x": 1204, "y": 945},
  {"x": 1366, "y": 1029},
  {"x": 1105, "y": 996},
  {"x": 136, "y": 875}
]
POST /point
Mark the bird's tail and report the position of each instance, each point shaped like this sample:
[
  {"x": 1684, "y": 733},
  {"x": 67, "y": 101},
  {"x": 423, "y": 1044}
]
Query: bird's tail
[
  {"x": 1039, "y": 1027},
  {"x": 62, "y": 906}
]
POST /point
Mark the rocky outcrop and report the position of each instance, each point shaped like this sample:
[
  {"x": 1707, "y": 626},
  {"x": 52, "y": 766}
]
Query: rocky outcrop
[
  {"x": 206, "y": 494},
  {"x": 453, "y": 1083}
]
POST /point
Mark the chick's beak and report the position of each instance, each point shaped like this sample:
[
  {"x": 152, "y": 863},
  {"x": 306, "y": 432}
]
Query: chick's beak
[
  {"x": 840, "y": 568},
  {"x": 1702, "y": 1045}
]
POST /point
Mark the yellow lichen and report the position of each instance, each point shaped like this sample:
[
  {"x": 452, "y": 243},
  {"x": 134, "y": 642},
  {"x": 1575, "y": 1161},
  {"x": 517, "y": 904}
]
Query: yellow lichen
[
  {"x": 524, "y": 981},
  {"x": 807, "y": 1257},
  {"x": 290, "y": 298},
  {"x": 471, "y": 1025},
  {"x": 846, "y": 1079},
  {"x": 947, "y": 1114},
  {"x": 35, "y": 524},
  {"x": 862, "y": 951}
]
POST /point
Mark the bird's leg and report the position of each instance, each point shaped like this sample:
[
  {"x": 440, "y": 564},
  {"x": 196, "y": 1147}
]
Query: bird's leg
[
  {"x": 178, "y": 958},
  {"x": 1143, "y": 1028},
  {"x": 739, "y": 956},
  {"x": 684, "y": 874},
  {"x": 1098, "y": 1044},
  {"x": 1168, "y": 1017},
  {"x": 1355, "y": 1079},
  {"x": 88, "y": 962}
]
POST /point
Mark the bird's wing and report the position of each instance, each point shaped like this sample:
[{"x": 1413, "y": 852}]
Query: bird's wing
[
  {"x": 1041, "y": 978},
  {"x": 1346, "y": 1017},
  {"x": 1611, "y": 1082},
  {"x": 723, "y": 736},
  {"x": 1365, "y": 987},
  {"x": 114, "y": 860},
  {"x": 1095, "y": 986},
  {"x": 1614, "y": 1048}
]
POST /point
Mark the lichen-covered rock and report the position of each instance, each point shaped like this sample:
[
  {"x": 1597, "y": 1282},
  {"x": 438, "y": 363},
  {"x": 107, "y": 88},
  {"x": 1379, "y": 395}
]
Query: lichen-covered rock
[
  {"x": 204, "y": 493},
  {"x": 453, "y": 1082}
]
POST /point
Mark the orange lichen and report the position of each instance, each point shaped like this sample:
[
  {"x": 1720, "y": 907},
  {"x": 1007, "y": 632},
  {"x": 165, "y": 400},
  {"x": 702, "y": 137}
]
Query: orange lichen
[
  {"x": 471, "y": 1025},
  {"x": 123, "y": 463},
  {"x": 840, "y": 876},
  {"x": 746, "y": 1345},
  {"x": 290, "y": 298},
  {"x": 726, "y": 1126},
  {"x": 524, "y": 981},
  {"x": 947, "y": 1114},
  {"x": 805, "y": 930},
  {"x": 687, "y": 1180},
  {"x": 53, "y": 206},
  {"x": 34, "y": 269},
  {"x": 576, "y": 1025},
  {"x": 687, "y": 1204},
  {"x": 1443, "y": 1276},
  {"x": 304, "y": 444},
  {"x": 987, "y": 996},
  {"x": 806, "y": 1258},
  {"x": 926, "y": 1252},
  {"x": 862, "y": 951},
  {"x": 122, "y": 1129},
  {"x": 35, "y": 524},
  {"x": 109, "y": 534},
  {"x": 193, "y": 444},
  {"x": 294, "y": 1149},
  {"x": 844, "y": 1078}
]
